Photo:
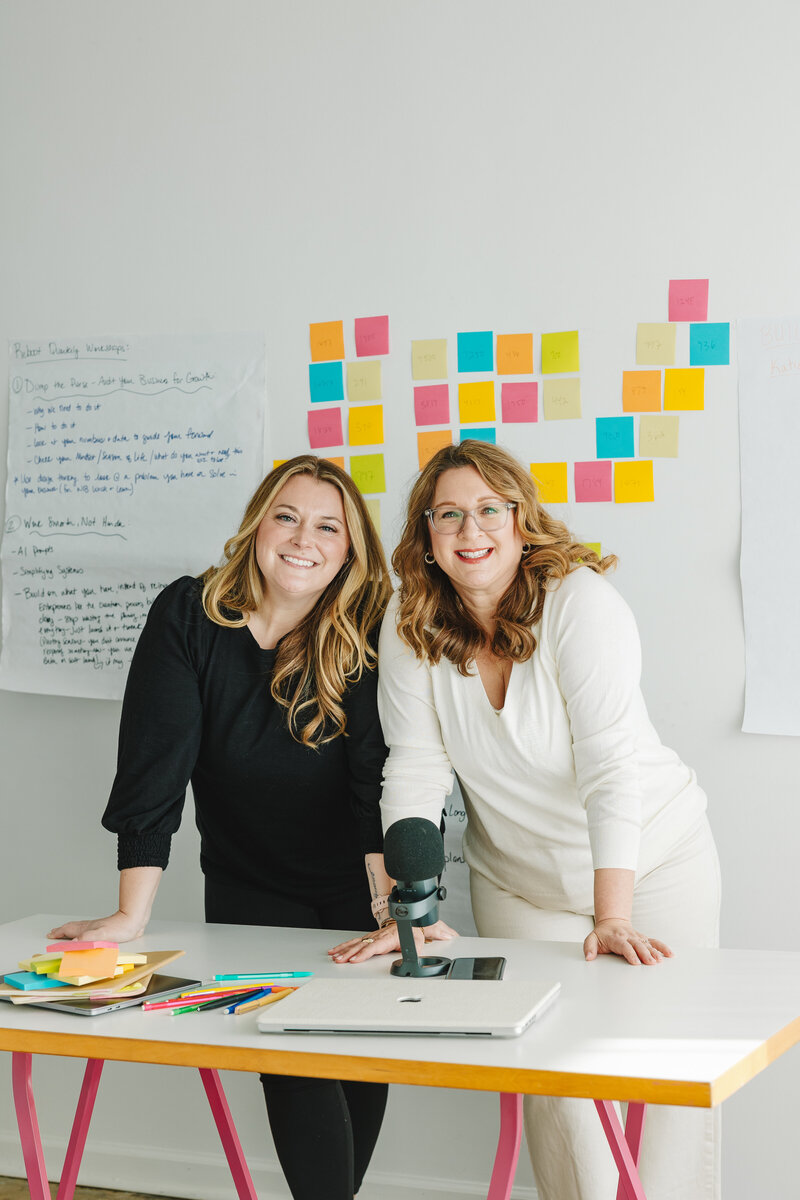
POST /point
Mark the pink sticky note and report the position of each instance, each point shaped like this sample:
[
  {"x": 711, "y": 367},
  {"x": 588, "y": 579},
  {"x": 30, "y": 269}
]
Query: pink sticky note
[
  {"x": 593, "y": 481},
  {"x": 325, "y": 428},
  {"x": 432, "y": 404},
  {"x": 372, "y": 336},
  {"x": 688, "y": 299},
  {"x": 520, "y": 401},
  {"x": 54, "y": 947}
]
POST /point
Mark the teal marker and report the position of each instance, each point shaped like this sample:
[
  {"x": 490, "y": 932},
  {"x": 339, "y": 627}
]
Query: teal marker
[{"x": 264, "y": 975}]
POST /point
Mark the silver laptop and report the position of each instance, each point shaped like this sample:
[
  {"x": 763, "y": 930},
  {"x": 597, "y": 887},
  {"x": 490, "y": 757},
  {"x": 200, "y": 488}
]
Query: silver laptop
[{"x": 429, "y": 1007}]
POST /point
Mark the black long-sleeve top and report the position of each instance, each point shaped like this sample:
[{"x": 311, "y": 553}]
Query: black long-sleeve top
[{"x": 271, "y": 812}]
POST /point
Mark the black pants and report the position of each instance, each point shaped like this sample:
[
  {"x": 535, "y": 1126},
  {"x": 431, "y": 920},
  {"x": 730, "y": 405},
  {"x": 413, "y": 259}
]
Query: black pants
[{"x": 324, "y": 1129}]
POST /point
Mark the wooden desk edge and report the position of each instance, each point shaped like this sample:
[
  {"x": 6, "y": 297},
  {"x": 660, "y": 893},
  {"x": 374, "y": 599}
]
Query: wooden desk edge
[{"x": 754, "y": 1063}]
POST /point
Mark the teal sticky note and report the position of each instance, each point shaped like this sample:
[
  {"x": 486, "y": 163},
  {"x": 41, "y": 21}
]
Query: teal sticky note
[
  {"x": 614, "y": 437},
  {"x": 476, "y": 351},
  {"x": 487, "y": 434},
  {"x": 326, "y": 382},
  {"x": 710, "y": 344},
  {"x": 29, "y": 981}
]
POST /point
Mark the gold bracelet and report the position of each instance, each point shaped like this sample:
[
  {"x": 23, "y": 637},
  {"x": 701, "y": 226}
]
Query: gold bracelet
[{"x": 386, "y": 922}]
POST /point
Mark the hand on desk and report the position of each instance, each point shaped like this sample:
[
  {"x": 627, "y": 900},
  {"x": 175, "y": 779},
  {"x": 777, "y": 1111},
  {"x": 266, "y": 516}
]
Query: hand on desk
[
  {"x": 385, "y": 941},
  {"x": 119, "y": 927},
  {"x": 616, "y": 936}
]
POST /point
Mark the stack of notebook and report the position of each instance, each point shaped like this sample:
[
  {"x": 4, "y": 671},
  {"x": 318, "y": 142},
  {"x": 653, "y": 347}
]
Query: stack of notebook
[{"x": 67, "y": 970}]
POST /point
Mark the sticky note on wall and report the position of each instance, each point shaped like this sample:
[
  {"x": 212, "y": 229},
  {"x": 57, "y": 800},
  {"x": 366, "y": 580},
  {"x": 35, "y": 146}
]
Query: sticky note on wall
[
  {"x": 684, "y": 388},
  {"x": 327, "y": 340},
  {"x": 432, "y": 404},
  {"x": 688, "y": 299},
  {"x": 429, "y": 359},
  {"x": 614, "y": 437},
  {"x": 658, "y": 435},
  {"x": 476, "y": 401},
  {"x": 479, "y": 433},
  {"x": 366, "y": 425},
  {"x": 710, "y": 344},
  {"x": 593, "y": 482},
  {"x": 429, "y": 442},
  {"x": 372, "y": 335},
  {"x": 561, "y": 399},
  {"x": 655, "y": 344},
  {"x": 325, "y": 383},
  {"x": 551, "y": 481},
  {"x": 560, "y": 352},
  {"x": 368, "y": 472},
  {"x": 519, "y": 401},
  {"x": 515, "y": 354},
  {"x": 641, "y": 391},
  {"x": 476, "y": 351},
  {"x": 364, "y": 381},
  {"x": 325, "y": 428},
  {"x": 374, "y": 509},
  {"x": 633, "y": 482}
]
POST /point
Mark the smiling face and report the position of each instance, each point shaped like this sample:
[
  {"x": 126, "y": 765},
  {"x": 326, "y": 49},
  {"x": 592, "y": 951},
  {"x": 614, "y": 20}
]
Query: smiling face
[{"x": 302, "y": 541}]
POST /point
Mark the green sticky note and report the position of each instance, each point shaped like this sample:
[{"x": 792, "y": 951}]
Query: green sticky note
[
  {"x": 560, "y": 352},
  {"x": 368, "y": 472}
]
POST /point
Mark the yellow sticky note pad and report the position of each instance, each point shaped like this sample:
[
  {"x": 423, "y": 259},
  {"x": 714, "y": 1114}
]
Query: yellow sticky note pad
[
  {"x": 633, "y": 482},
  {"x": 655, "y": 344},
  {"x": 515, "y": 354},
  {"x": 276, "y": 462},
  {"x": 429, "y": 359},
  {"x": 560, "y": 352},
  {"x": 366, "y": 425},
  {"x": 327, "y": 340},
  {"x": 551, "y": 480},
  {"x": 658, "y": 435},
  {"x": 684, "y": 388},
  {"x": 364, "y": 380},
  {"x": 641, "y": 391},
  {"x": 476, "y": 402},
  {"x": 374, "y": 509},
  {"x": 429, "y": 443},
  {"x": 561, "y": 399},
  {"x": 368, "y": 472}
]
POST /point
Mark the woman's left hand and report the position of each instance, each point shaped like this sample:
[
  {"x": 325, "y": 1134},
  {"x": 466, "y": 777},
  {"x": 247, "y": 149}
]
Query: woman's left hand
[
  {"x": 384, "y": 941},
  {"x": 615, "y": 936}
]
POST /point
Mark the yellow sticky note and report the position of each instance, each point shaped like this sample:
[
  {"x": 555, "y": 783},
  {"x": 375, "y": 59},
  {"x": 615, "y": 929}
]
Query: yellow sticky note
[
  {"x": 476, "y": 402},
  {"x": 561, "y": 399},
  {"x": 337, "y": 462},
  {"x": 596, "y": 546},
  {"x": 276, "y": 462},
  {"x": 368, "y": 472},
  {"x": 655, "y": 344},
  {"x": 515, "y": 354},
  {"x": 374, "y": 509},
  {"x": 327, "y": 340},
  {"x": 551, "y": 480},
  {"x": 633, "y": 482},
  {"x": 641, "y": 391},
  {"x": 366, "y": 425},
  {"x": 429, "y": 443},
  {"x": 429, "y": 359},
  {"x": 364, "y": 380},
  {"x": 658, "y": 436},
  {"x": 560, "y": 352},
  {"x": 684, "y": 388}
]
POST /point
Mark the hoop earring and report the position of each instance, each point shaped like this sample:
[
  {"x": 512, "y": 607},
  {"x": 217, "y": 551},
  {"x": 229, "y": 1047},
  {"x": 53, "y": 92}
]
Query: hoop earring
[
  {"x": 526, "y": 547},
  {"x": 429, "y": 559}
]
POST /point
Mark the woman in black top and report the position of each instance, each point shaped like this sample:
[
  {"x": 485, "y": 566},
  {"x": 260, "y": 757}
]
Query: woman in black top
[{"x": 257, "y": 682}]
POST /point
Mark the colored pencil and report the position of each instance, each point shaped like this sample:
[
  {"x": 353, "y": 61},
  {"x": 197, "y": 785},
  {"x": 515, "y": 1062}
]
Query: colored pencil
[{"x": 249, "y": 1005}]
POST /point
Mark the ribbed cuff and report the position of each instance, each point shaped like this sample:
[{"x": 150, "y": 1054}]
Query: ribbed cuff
[{"x": 143, "y": 850}]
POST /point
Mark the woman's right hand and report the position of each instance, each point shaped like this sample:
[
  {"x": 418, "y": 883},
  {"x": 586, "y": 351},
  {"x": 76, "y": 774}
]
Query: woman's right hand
[{"x": 119, "y": 927}]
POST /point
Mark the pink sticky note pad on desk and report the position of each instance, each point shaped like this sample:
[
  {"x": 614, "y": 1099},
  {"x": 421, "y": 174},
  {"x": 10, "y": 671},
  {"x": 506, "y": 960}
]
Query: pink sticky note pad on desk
[
  {"x": 688, "y": 299},
  {"x": 372, "y": 336},
  {"x": 68, "y": 947}
]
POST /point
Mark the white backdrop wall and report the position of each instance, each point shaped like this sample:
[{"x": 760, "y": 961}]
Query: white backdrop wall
[{"x": 201, "y": 166}]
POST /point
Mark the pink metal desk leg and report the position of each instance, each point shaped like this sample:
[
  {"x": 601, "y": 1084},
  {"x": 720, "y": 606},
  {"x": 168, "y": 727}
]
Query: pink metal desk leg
[
  {"x": 80, "y": 1128},
  {"x": 630, "y": 1185},
  {"x": 28, "y": 1125},
  {"x": 634, "y": 1128},
  {"x": 505, "y": 1161},
  {"x": 228, "y": 1135}
]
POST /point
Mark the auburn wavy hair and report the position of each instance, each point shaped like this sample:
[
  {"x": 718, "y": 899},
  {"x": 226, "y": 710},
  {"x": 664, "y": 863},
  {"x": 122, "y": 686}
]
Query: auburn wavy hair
[
  {"x": 332, "y": 645},
  {"x": 432, "y": 618}
]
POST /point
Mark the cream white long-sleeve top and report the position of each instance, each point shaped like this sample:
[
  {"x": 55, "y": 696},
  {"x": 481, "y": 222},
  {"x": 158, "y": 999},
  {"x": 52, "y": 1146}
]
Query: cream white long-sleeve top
[{"x": 568, "y": 777}]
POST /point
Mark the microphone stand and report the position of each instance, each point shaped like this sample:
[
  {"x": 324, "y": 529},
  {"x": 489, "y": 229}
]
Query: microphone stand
[{"x": 421, "y": 912}]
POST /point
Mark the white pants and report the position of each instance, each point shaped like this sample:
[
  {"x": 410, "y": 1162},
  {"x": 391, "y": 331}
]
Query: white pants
[{"x": 679, "y": 903}]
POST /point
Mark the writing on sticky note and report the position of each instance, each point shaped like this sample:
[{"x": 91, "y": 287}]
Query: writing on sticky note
[
  {"x": 366, "y": 425},
  {"x": 429, "y": 359},
  {"x": 519, "y": 402},
  {"x": 560, "y": 352},
  {"x": 641, "y": 391},
  {"x": 325, "y": 428},
  {"x": 655, "y": 344},
  {"x": 515, "y": 354},
  {"x": 428, "y": 443},
  {"x": 372, "y": 336},
  {"x": 710, "y": 344},
  {"x": 551, "y": 481},
  {"x": 325, "y": 383},
  {"x": 614, "y": 437},
  {"x": 368, "y": 472},
  {"x": 658, "y": 435},
  {"x": 633, "y": 482},
  {"x": 364, "y": 381},
  {"x": 476, "y": 401},
  {"x": 327, "y": 340},
  {"x": 432, "y": 404},
  {"x": 593, "y": 482},
  {"x": 479, "y": 433},
  {"x": 374, "y": 509},
  {"x": 684, "y": 388},
  {"x": 476, "y": 351},
  {"x": 688, "y": 299},
  {"x": 561, "y": 399}
]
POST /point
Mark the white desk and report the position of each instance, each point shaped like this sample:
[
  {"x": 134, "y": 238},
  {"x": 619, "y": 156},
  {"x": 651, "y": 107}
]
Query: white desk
[{"x": 689, "y": 1032}]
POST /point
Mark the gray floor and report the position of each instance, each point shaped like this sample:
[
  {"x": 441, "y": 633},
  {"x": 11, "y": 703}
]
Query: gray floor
[{"x": 17, "y": 1189}]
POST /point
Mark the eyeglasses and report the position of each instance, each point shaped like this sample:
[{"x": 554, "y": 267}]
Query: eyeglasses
[{"x": 489, "y": 517}]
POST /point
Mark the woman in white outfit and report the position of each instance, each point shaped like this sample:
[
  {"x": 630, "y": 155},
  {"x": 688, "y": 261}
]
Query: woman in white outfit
[{"x": 507, "y": 657}]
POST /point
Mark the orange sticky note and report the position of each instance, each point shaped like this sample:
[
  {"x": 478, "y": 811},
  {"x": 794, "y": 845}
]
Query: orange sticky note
[
  {"x": 429, "y": 443},
  {"x": 551, "y": 479},
  {"x": 515, "y": 354},
  {"x": 98, "y": 963},
  {"x": 327, "y": 340},
  {"x": 366, "y": 425},
  {"x": 684, "y": 388},
  {"x": 476, "y": 402},
  {"x": 641, "y": 391},
  {"x": 337, "y": 462},
  {"x": 633, "y": 482}
]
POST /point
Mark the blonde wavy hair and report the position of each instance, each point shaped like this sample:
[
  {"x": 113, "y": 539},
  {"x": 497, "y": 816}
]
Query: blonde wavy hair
[
  {"x": 432, "y": 618},
  {"x": 332, "y": 646}
]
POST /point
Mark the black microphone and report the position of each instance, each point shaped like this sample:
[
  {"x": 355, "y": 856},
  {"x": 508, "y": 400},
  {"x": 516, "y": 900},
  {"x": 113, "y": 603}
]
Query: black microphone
[{"x": 413, "y": 854}]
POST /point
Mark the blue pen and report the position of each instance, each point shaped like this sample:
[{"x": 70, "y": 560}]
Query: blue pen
[
  {"x": 264, "y": 975},
  {"x": 250, "y": 996}
]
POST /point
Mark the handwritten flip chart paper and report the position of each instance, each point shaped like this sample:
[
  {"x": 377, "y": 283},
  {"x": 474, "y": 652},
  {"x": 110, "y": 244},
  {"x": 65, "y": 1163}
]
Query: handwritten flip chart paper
[
  {"x": 366, "y": 425},
  {"x": 560, "y": 353},
  {"x": 515, "y": 354},
  {"x": 688, "y": 299},
  {"x": 429, "y": 359},
  {"x": 593, "y": 482},
  {"x": 476, "y": 351},
  {"x": 131, "y": 460},
  {"x": 614, "y": 437},
  {"x": 368, "y": 472},
  {"x": 519, "y": 402},
  {"x": 325, "y": 428},
  {"x": 551, "y": 480},
  {"x": 655, "y": 344},
  {"x": 372, "y": 336},
  {"x": 710, "y": 344},
  {"x": 684, "y": 388},
  {"x": 658, "y": 435},
  {"x": 364, "y": 381},
  {"x": 432, "y": 404},
  {"x": 429, "y": 442},
  {"x": 327, "y": 340},
  {"x": 487, "y": 433},
  {"x": 476, "y": 401},
  {"x": 768, "y": 353},
  {"x": 633, "y": 482},
  {"x": 561, "y": 399},
  {"x": 641, "y": 391},
  {"x": 325, "y": 383},
  {"x": 374, "y": 509}
]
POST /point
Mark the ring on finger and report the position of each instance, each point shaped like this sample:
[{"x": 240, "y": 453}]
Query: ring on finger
[{"x": 367, "y": 941}]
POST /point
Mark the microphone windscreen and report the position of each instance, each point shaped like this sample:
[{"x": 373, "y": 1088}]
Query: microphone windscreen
[{"x": 413, "y": 849}]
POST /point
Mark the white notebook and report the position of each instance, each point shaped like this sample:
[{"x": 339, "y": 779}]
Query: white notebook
[{"x": 430, "y": 1007}]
